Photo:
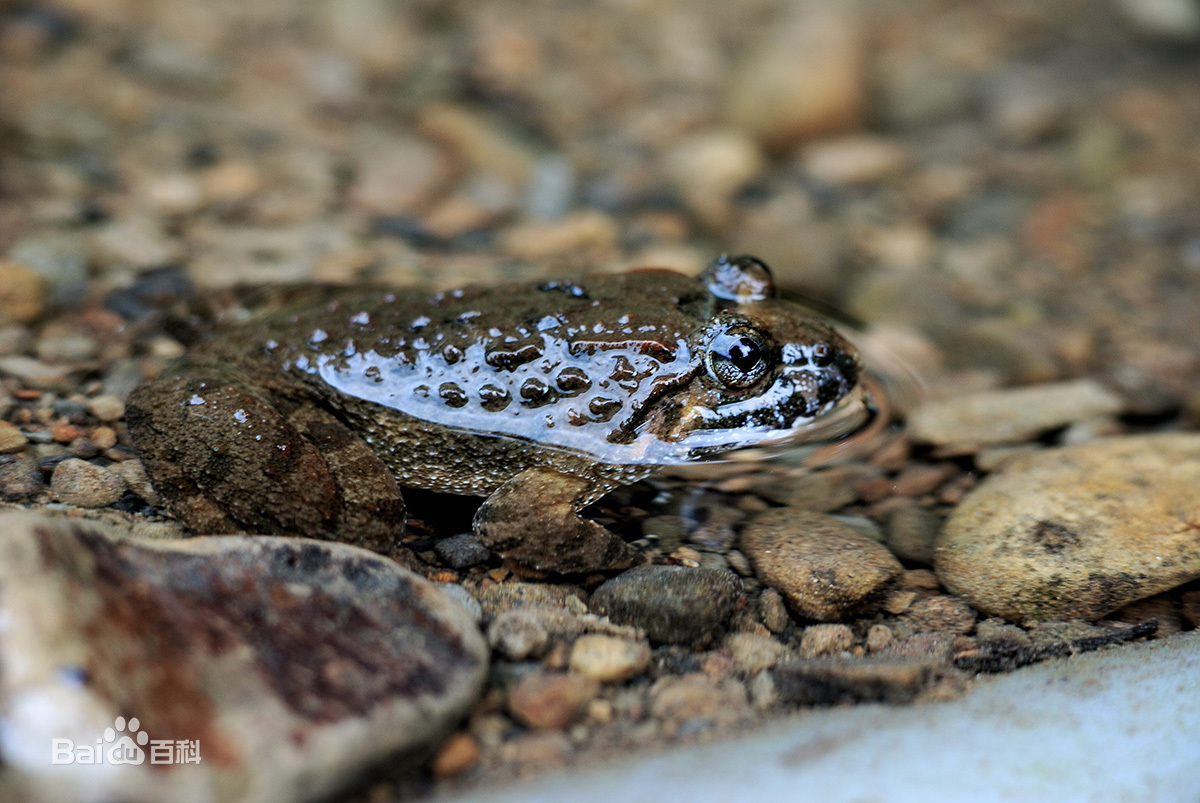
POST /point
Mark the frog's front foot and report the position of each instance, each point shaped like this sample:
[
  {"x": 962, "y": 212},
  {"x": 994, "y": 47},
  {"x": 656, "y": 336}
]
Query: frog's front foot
[
  {"x": 227, "y": 456},
  {"x": 533, "y": 520}
]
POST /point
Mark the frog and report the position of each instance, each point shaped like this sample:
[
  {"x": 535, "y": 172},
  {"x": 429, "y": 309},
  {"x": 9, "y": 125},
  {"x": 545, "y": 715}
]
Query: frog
[{"x": 307, "y": 417}]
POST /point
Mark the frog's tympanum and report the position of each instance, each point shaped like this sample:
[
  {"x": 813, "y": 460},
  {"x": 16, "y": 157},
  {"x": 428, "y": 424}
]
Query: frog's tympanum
[{"x": 542, "y": 397}]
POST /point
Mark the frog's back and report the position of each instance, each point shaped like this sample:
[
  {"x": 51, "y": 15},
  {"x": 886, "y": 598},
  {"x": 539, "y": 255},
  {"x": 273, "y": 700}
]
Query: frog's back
[{"x": 561, "y": 365}]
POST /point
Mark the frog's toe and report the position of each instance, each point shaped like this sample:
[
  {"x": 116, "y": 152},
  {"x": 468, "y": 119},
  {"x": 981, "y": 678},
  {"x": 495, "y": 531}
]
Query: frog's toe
[{"x": 532, "y": 521}]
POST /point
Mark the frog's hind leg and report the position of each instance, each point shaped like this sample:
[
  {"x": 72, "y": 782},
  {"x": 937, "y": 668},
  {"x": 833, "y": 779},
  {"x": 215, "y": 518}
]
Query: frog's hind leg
[
  {"x": 533, "y": 520},
  {"x": 225, "y": 459}
]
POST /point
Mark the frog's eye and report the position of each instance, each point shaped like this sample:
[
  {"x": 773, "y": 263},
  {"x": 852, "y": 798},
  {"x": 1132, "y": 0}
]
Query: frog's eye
[
  {"x": 738, "y": 355},
  {"x": 743, "y": 279}
]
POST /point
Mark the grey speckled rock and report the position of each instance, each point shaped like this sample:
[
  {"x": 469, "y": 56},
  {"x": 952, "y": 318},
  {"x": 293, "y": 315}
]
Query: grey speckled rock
[
  {"x": 825, "y": 570},
  {"x": 292, "y": 664},
  {"x": 1078, "y": 531},
  {"x": 673, "y": 604}
]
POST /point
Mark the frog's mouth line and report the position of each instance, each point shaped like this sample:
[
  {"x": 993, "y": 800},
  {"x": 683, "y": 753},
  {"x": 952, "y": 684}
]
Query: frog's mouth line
[{"x": 850, "y": 414}]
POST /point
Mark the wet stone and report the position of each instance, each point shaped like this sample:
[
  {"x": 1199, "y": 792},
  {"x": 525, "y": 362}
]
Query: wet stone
[
  {"x": 942, "y": 614},
  {"x": 698, "y": 701},
  {"x": 20, "y": 479},
  {"x": 22, "y": 294},
  {"x": 609, "y": 659},
  {"x": 807, "y": 77},
  {"x": 911, "y": 532},
  {"x": 1012, "y": 415},
  {"x": 817, "y": 640},
  {"x": 672, "y": 604},
  {"x": 461, "y": 551},
  {"x": 1077, "y": 532},
  {"x": 78, "y": 482},
  {"x": 508, "y": 596},
  {"x": 12, "y": 439},
  {"x": 294, "y": 665},
  {"x": 519, "y": 634},
  {"x": 824, "y": 570},
  {"x": 548, "y": 701}
]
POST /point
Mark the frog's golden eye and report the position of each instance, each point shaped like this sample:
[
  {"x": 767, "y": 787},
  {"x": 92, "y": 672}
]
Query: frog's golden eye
[{"x": 737, "y": 354}]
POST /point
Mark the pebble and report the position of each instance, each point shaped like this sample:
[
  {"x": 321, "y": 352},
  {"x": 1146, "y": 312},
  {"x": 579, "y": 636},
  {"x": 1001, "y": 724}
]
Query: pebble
[
  {"x": 295, "y": 665},
  {"x": 587, "y": 231},
  {"x": 824, "y": 570},
  {"x": 672, "y": 604},
  {"x": 58, "y": 257},
  {"x": 107, "y": 408},
  {"x": 83, "y": 484},
  {"x": 1012, "y": 415},
  {"x": 819, "y": 491},
  {"x": 134, "y": 475},
  {"x": 140, "y": 242},
  {"x": 753, "y": 652},
  {"x": 12, "y": 439},
  {"x": 1171, "y": 20},
  {"x": 773, "y": 610},
  {"x": 20, "y": 479},
  {"x": 479, "y": 141},
  {"x": 912, "y": 531},
  {"x": 698, "y": 701},
  {"x": 22, "y": 294},
  {"x": 495, "y": 599},
  {"x": 396, "y": 175},
  {"x": 942, "y": 614},
  {"x": 817, "y": 640},
  {"x": 1079, "y": 531},
  {"x": 807, "y": 76},
  {"x": 609, "y": 659},
  {"x": 461, "y": 551},
  {"x": 710, "y": 168},
  {"x": 460, "y": 753},
  {"x": 519, "y": 634},
  {"x": 879, "y": 637},
  {"x": 63, "y": 342},
  {"x": 854, "y": 160},
  {"x": 551, "y": 701}
]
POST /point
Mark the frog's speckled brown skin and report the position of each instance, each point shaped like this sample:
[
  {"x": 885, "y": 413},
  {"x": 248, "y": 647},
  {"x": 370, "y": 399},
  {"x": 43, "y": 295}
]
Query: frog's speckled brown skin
[{"x": 542, "y": 396}]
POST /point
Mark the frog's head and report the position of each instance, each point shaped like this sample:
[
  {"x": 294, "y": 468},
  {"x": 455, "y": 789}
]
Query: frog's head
[{"x": 766, "y": 369}]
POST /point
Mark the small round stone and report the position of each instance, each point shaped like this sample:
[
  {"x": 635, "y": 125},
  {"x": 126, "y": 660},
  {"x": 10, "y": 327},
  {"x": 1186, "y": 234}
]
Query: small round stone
[
  {"x": 83, "y": 484},
  {"x": 461, "y": 551},
  {"x": 12, "y": 439},
  {"x": 773, "y": 610},
  {"x": 551, "y": 701},
  {"x": 879, "y": 637},
  {"x": 608, "y": 658},
  {"x": 22, "y": 294},
  {"x": 20, "y": 479},
  {"x": 825, "y": 570},
  {"x": 518, "y": 634},
  {"x": 753, "y": 652},
  {"x": 818, "y": 640},
  {"x": 456, "y": 756},
  {"x": 672, "y": 604},
  {"x": 107, "y": 408},
  {"x": 943, "y": 614}
]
